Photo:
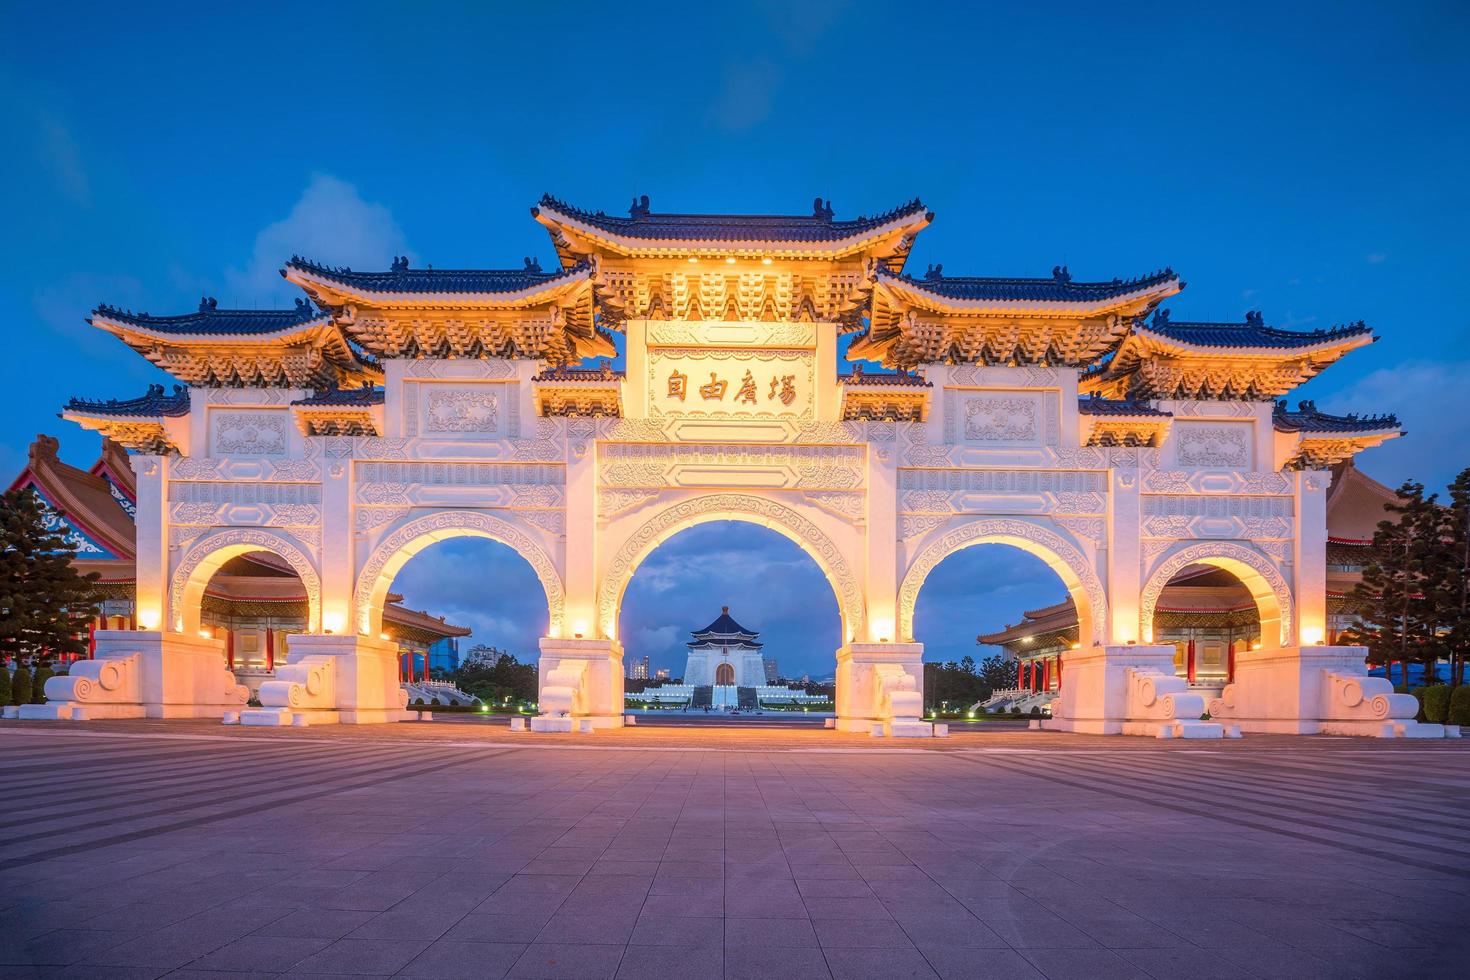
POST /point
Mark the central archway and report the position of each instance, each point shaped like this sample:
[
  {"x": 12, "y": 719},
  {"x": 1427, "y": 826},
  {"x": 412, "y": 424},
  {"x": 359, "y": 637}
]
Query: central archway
[
  {"x": 209, "y": 555},
  {"x": 730, "y": 506},
  {"x": 1063, "y": 557},
  {"x": 389, "y": 557}
]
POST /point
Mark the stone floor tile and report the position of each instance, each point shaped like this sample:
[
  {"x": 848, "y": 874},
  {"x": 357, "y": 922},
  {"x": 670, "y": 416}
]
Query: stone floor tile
[
  {"x": 671, "y": 963},
  {"x": 565, "y": 961},
  {"x": 371, "y": 957},
  {"x": 497, "y": 928},
  {"x": 878, "y": 964},
  {"x": 260, "y": 953},
  {"x": 695, "y": 931},
  {"x": 447, "y": 960},
  {"x": 407, "y": 924},
  {"x": 1083, "y": 964},
  {"x": 861, "y": 934},
  {"x": 962, "y": 963},
  {"x": 770, "y": 932},
  {"x": 848, "y": 908},
  {"x": 614, "y": 926},
  {"x": 767, "y": 962},
  {"x": 316, "y": 923}
]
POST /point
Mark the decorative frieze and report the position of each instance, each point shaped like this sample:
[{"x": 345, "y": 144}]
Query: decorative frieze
[
  {"x": 1226, "y": 446},
  {"x": 698, "y": 464},
  {"x": 462, "y": 409},
  {"x": 244, "y": 433}
]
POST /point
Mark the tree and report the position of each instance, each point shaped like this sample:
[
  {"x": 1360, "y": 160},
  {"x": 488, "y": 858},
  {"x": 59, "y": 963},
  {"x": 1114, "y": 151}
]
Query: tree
[
  {"x": 498, "y": 678},
  {"x": 1453, "y": 593},
  {"x": 1000, "y": 672},
  {"x": 20, "y": 686},
  {"x": 4, "y": 685},
  {"x": 46, "y": 605},
  {"x": 1394, "y": 617}
]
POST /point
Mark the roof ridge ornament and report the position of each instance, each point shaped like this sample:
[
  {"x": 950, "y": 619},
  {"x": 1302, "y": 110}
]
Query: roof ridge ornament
[
  {"x": 1161, "y": 318},
  {"x": 822, "y": 209},
  {"x": 207, "y": 304},
  {"x": 400, "y": 263},
  {"x": 1061, "y": 274},
  {"x": 639, "y": 207},
  {"x": 533, "y": 265},
  {"x": 1254, "y": 318},
  {"x": 935, "y": 272}
]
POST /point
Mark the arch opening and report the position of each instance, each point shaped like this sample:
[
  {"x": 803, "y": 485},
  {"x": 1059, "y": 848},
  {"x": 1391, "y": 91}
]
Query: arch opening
[
  {"x": 253, "y": 602},
  {"x": 1077, "y": 574},
  {"x": 467, "y": 613},
  {"x": 1256, "y": 576},
  {"x": 207, "y": 557},
  {"x": 994, "y": 620},
  {"x": 727, "y": 615},
  {"x": 1210, "y": 616},
  {"x": 395, "y": 551}
]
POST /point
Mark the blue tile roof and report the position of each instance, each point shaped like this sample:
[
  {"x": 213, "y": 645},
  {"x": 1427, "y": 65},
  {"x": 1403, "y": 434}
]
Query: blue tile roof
[
  {"x": 724, "y": 626},
  {"x": 907, "y": 379},
  {"x": 155, "y": 403},
  {"x": 1097, "y": 405},
  {"x": 1307, "y": 418},
  {"x": 819, "y": 226},
  {"x": 1057, "y": 288},
  {"x": 364, "y": 396},
  {"x": 402, "y": 279},
  {"x": 210, "y": 319},
  {"x": 1252, "y": 333}
]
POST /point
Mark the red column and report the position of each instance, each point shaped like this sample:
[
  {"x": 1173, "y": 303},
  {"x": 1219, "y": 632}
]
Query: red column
[
  {"x": 1059, "y": 672},
  {"x": 1046, "y": 674},
  {"x": 270, "y": 649},
  {"x": 230, "y": 650},
  {"x": 1230, "y": 664},
  {"x": 1189, "y": 661},
  {"x": 92, "y": 640}
]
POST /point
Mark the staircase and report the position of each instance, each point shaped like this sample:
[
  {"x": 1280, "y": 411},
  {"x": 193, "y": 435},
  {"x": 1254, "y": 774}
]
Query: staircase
[
  {"x": 745, "y": 698},
  {"x": 704, "y": 697}
]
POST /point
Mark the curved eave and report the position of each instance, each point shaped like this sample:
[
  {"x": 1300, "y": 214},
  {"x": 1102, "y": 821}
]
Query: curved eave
[
  {"x": 560, "y": 223},
  {"x": 904, "y": 293},
  {"x": 304, "y": 332},
  {"x": 93, "y": 419},
  {"x": 1155, "y": 343},
  {"x": 337, "y": 293}
]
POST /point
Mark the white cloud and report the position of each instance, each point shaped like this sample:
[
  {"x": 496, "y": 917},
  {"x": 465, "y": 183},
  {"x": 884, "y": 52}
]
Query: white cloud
[{"x": 330, "y": 223}]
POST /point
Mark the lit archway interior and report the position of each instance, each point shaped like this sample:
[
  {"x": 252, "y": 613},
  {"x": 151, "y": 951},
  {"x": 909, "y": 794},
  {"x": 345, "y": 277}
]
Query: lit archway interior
[
  {"x": 1209, "y": 615},
  {"x": 771, "y": 587},
  {"x": 255, "y": 602}
]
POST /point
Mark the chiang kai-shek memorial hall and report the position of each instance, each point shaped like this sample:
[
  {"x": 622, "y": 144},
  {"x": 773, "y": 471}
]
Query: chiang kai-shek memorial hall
[{"x": 1073, "y": 419}]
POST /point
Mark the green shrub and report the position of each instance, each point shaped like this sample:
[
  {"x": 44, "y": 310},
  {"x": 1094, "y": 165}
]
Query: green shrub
[
  {"x": 38, "y": 683},
  {"x": 1437, "y": 703},
  {"x": 1401, "y": 689},
  {"x": 20, "y": 686},
  {"x": 4, "y": 684},
  {"x": 1460, "y": 706},
  {"x": 1418, "y": 693}
]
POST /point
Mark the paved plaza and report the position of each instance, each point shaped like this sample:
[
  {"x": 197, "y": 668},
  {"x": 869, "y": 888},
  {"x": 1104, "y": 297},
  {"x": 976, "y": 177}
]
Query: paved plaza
[{"x": 138, "y": 849}]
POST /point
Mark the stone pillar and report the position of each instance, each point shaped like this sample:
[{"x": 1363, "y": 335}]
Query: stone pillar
[
  {"x": 881, "y": 683},
  {"x": 151, "y": 522},
  {"x": 579, "y": 680},
  {"x": 1309, "y": 558},
  {"x": 881, "y": 541},
  {"x": 1124, "y": 561},
  {"x": 336, "y": 559},
  {"x": 333, "y": 678}
]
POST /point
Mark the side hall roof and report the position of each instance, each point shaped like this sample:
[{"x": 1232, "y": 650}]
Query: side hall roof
[
  {"x": 155, "y": 404},
  {"x": 1252, "y": 334},
  {"x": 1059, "y": 287},
  {"x": 1308, "y": 418},
  {"x": 209, "y": 319},
  {"x": 420, "y": 284}
]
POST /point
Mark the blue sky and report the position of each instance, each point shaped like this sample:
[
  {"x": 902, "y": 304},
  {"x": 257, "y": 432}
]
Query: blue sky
[{"x": 1307, "y": 160}]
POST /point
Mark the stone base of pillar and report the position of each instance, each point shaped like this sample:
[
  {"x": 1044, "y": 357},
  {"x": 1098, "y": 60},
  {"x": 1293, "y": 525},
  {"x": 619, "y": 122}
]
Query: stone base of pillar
[
  {"x": 329, "y": 679},
  {"x": 146, "y": 674},
  {"x": 1128, "y": 690},
  {"x": 580, "y": 681},
  {"x": 882, "y": 683},
  {"x": 1316, "y": 689}
]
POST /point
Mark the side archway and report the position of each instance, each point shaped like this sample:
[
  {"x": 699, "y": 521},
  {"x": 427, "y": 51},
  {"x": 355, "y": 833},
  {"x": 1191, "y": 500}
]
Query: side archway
[
  {"x": 207, "y": 555},
  {"x": 738, "y": 507},
  {"x": 1256, "y": 572},
  {"x": 397, "y": 548},
  {"x": 1060, "y": 555}
]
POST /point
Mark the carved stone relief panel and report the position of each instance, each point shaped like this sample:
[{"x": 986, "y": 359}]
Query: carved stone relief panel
[
  {"x": 1226, "y": 445},
  {"x": 715, "y": 465},
  {"x": 240, "y": 432},
  {"x": 462, "y": 408}
]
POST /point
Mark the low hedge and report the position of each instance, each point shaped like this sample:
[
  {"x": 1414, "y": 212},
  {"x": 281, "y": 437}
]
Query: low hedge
[
  {"x": 38, "y": 683},
  {"x": 1436, "y": 703},
  {"x": 20, "y": 686},
  {"x": 1418, "y": 693},
  {"x": 4, "y": 684},
  {"x": 1460, "y": 706}
]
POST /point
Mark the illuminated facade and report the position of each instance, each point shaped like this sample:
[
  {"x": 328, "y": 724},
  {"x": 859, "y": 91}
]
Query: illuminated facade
[{"x": 389, "y": 410}]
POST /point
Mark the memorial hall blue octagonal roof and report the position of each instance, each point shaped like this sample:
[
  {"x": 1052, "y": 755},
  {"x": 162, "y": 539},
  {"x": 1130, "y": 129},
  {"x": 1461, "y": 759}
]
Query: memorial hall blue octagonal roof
[{"x": 724, "y": 627}]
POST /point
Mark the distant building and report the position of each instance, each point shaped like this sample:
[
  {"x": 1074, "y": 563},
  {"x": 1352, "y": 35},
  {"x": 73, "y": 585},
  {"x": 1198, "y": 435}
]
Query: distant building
[
  {"x": 638, "y": 669},
  {"x": 772, "y": 671},
  {"x": 662, "y": 674}
]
